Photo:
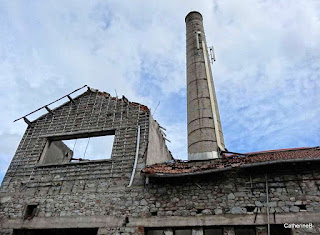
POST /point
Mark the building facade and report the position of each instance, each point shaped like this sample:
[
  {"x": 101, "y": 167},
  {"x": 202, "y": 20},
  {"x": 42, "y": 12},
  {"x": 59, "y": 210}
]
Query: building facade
[{"x": 140, "y": 188}]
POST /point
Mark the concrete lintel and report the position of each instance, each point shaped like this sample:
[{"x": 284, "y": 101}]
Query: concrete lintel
[
  {"x": 63, "y": 222},
  {"x": 169, "y": 221},
  {"x": 218, "y": 220},
  {"x": 81, "y": 134},
  {"x": 74, "y": 163}
]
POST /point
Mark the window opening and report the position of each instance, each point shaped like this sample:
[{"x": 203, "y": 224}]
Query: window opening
[
  {"x": 66, "y": 231},
  {"x": 213, "y": 231},
  {"x": 73, "y": 149},
  {"x": 174, "y": 231},
  {"x": 30, "y": 211},
  {"x": 250, "y": 208},
  {"x": 302, "y": 207},
  {"x": 279, "y": 229},
  {"x": 91, "y": 148},
  {"x": 183, "y": 232},
  {"x": 199, "y": 211},
  {"x": 245, "y": 230},
  {"x": 155, "y": 232}
]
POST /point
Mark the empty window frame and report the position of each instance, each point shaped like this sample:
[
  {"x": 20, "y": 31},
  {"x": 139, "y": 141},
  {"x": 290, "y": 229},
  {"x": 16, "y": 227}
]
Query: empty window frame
[
  {"x": 78, "y": 148},
  {"x": 213, "y": 231},
  {"x": 245, "y": 230},
  {"x": 216, "y": 230},
  {"x": 67, "y": 231},
  {"x": 182, "y": 232},
  {"x": 30, "y": 211},
  {"x": 155, "y": 232},
  {"x": 279, "y": 229}
]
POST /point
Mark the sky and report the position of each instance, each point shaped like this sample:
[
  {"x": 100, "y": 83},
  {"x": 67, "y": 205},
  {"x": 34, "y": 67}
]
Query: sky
[{"x": 266, "y": 74}]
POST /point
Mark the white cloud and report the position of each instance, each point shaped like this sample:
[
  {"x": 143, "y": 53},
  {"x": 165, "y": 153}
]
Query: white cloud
[{"x": 8, "y": 145}]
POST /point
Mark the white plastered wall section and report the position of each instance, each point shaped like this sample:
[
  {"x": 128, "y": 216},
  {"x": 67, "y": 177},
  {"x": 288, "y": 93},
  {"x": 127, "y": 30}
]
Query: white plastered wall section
[{"x": 157, "y": 149}]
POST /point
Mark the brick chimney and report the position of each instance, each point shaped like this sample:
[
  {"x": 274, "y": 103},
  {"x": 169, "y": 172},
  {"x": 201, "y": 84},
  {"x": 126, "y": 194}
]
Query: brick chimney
[{"x": 205, "y": 137}]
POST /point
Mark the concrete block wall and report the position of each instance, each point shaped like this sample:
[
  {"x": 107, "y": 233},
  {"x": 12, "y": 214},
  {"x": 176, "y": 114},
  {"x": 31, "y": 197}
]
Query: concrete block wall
[{"x": 28, "y": 181}]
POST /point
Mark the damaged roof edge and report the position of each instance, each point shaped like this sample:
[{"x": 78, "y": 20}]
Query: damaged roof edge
[
  {"x": 53, "y": 103},
  {"x": 90, "y": 89},
  {"x": 249, "y": 165}
]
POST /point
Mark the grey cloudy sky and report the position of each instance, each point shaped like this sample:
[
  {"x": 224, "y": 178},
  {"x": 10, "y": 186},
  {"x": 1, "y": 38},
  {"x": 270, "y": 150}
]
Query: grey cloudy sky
[{"x": 266, "y": 74}]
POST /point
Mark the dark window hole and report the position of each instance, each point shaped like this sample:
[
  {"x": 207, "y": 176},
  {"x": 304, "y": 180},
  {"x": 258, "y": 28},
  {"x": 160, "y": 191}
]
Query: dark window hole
[
  {"x": 302, "y": 207},
  {"x": 30, "y": 211},
  {"x": 250, "y": 208}
]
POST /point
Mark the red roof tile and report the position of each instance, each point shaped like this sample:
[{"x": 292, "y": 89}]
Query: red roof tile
[{"x": 231, "y": 161}]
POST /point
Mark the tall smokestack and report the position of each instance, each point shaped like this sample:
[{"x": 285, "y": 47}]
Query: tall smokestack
[{"x": 205, "y": 138}]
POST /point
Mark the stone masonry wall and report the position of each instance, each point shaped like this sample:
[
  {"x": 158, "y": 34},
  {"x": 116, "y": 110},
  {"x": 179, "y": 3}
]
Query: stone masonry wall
[
  {"x": 229, "y": 193},
  {"x": 223, "y": 194}
]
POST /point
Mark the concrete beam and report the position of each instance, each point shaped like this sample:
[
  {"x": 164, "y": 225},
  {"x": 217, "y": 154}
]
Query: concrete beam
[
  {"x": 230, "y": 219},
  {"x": 63, "y": 222},
  {"x": 169, "y": 221}
]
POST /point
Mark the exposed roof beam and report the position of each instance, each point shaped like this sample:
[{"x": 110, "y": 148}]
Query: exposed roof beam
[
  {"x": 48, "y": 109},
  {"x": 27, "y": 121},
  {"x": 51, "y": 102},
  {"x": 69, "y": 97}
]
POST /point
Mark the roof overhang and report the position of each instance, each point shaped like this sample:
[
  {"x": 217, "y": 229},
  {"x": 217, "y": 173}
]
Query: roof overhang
[{"x": 216, "y": 170}]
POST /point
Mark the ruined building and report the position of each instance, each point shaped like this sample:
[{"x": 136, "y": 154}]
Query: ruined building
[{"x": 140, "y": 188}]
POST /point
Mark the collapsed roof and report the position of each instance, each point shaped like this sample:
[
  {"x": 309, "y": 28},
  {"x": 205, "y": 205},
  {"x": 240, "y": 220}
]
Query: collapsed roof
[{"x": 178, "y": 168}]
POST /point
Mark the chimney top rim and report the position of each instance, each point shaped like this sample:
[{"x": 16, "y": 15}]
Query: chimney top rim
[{"x": 192, "y": 12}]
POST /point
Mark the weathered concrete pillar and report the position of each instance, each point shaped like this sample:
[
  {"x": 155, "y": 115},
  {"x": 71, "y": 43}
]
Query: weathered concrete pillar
[{"x": 205, "y": 137}]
